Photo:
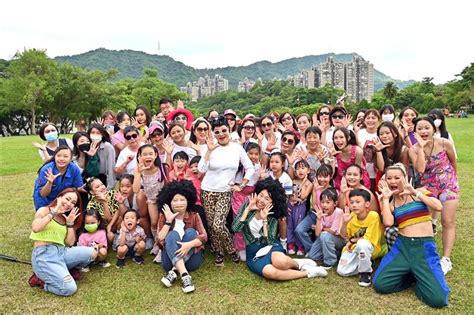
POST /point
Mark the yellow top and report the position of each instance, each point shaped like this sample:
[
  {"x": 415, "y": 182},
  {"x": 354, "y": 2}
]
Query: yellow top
[
  {"x": 370, "y": 229},
  {"x": 53, "y": 232}
]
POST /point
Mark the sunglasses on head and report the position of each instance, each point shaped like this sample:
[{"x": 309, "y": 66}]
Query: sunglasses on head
[
  {"x": 217, "y": 132},
  {"x": 249, "y": 127},
  {"x": 287, "y": 140},
  {"x": 177, "y": 118},
  {"x": 134, "y": 136},
  {"x": 337, "y": 116},
  {"x": 269, "y": 124},
  {"x": 324, "y": 114},
  {"x": 201, "y": 129}
]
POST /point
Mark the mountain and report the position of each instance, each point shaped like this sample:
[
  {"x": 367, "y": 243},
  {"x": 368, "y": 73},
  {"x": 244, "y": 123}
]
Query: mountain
[{"x": 132, "y": 63}]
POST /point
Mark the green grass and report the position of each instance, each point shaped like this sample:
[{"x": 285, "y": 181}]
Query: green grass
[{"x": 232, "y": 289}]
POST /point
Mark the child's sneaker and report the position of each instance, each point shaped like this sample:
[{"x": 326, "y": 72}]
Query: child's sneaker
[
  {"x": 314, "y": 271},
  {"x": 187, "y": 284},
  {"x": 120, "y": 263},
  {"x": 85, "y": 269},
  {"x": 365, "y": 279},
  {"x": 446, "y": 264},
  {"x": 158, "y": 257},
  {"x": 169, "y": 278},
  {"x": 104, "y": 264},
  {"x": 291, "y": 249},
  {"x": 300, "y": 251},
  {"x": 155, "y": 250},
  {"x": 138, "y": 260},
  {"x": 305, "y": 262}
]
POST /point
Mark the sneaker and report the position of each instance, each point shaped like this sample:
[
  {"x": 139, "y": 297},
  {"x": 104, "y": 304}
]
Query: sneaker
[
  {"x": 446, "y": 264},
  {"x": 314, "y": 271},
  {"x": 435, "y": 228},
  {"x": 104, "y": 264},
  {"x": 219, "y": 261},
  {"x": 365, "y": 279},
  {"x": 291, "y": 249},
  {"x": 34, "y": 281},
  {"x": 149, "y": 242},
  {"x": 169, "y": 278},
  {"x": 187, "y": 284},
  {"x": 235, "y": 258},
  {"x": 326, "y": 266},
  {"x": 305, "y": 262},
  {"x": 283, "y": 243},
  {"x": 120, "y": 263},
  {"x": 85, "y": 269},
  {"x": 300, "y": 252},
  {"x": 155, "y": 250},
  {"x": 138, "y": 260},
  {"x": 243, "y": 255},
  {"x": 158, "y": 258}
]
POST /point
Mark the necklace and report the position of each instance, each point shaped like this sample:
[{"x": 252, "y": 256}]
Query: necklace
[{"x": 428, "y": 157}]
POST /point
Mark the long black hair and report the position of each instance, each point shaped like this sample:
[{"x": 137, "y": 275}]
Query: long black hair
[
  {"x": 437, "y": 114},
  {"x": 157, "y": 162},
  {"x": 60, "y": 148},
  {"x": 397, "y": 147}
]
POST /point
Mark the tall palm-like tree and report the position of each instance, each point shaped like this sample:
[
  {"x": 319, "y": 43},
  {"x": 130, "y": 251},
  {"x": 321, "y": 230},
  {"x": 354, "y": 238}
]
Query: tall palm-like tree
[{"x": 390, "y": 90}]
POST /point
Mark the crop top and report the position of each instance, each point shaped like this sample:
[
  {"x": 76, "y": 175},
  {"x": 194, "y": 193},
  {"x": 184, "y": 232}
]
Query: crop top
[
  {"x": 411, "y": 213},
  {"x": 53, "y": 232}
]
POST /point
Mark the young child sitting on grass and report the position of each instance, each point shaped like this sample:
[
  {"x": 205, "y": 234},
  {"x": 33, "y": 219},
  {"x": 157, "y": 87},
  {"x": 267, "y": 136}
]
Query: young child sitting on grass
[
  {"x": 94, "y": 236},
  {"x": 363, "y": 232},
  {"x": 130, "y": 241}
]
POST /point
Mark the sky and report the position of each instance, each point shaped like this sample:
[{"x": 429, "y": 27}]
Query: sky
[{"x": 405, "y": 39}]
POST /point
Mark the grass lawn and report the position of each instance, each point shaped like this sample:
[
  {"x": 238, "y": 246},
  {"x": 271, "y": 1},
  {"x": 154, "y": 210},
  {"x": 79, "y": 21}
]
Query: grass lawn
[{"x": 231, "y": 289}]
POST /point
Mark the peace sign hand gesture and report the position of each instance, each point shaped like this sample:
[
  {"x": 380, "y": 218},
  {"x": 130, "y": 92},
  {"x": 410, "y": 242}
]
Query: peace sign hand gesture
[{"x": 50, "y": 177}]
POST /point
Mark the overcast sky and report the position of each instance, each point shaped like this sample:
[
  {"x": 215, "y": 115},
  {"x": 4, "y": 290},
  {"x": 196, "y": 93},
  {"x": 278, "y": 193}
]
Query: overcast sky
[{"x": 405, "y": 39}]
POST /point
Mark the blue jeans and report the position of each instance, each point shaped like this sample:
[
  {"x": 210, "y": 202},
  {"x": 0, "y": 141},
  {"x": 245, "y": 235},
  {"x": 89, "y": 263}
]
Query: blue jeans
[
  {"x": 192, "y": 260},
  {"x": 303, "y": 230},
  {"x": 325, "y": 246},
  {"x": 51, "y": 263}
]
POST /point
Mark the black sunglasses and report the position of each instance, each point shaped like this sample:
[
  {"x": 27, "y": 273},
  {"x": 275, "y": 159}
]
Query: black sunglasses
[
  {"x": 199, "y": 129},
  {"x": 217, "y": 132},
  {"x": 324, "y": 114},
  {"x": 134, "y": 136},
  {"x": 287, "y": 140},
  {"x": 337, "y": 116},
  {"x": 249, "y": 127},
  {"x": 267, "y": 124}
]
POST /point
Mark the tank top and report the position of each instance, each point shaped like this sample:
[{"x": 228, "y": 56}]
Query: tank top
[
  {"x": 53, "y": 232},
  {"x": 411, "y": 213}
]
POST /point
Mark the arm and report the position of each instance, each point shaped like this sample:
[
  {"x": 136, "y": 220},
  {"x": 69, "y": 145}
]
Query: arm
[
  {"x": 359, "y": 155},
  {"x": 110, "y": 162},
  {"x": 306, "y": 189},
  {"x": 241, "y": 218},
  {"x": 379, "y": 161},
  {"x": 137, "y": 179},
  {"x": 70, "y": 236},
  {"x": 42, "y": 217},
  {"x": 451, "y": 153}
]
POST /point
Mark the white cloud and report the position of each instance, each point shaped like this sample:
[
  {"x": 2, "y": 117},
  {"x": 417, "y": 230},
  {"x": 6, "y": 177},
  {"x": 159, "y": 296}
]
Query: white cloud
[{"x": 404, "y": 39}]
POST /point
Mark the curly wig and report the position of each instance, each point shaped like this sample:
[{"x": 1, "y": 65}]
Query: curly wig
[
  {"x": 184, "y": 188},
  {"x": 277, "y": 193}
]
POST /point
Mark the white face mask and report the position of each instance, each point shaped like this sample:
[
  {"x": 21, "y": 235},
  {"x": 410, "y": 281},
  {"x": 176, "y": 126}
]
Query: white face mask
[
  {"x": 387, "y": 117},
  {"x": 96, "y": 138},
  {"x": 437, "y": 123}
]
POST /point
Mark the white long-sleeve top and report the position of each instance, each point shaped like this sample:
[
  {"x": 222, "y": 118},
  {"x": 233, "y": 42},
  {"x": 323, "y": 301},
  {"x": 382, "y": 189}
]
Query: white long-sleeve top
[{"x": 222, "y": 167}]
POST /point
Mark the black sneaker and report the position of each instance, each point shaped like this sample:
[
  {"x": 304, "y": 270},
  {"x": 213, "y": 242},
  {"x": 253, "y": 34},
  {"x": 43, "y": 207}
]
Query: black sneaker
[
  {"x": 219, "y": 261},
  {"x": 326, "y": 266},
  {"x": 187, "y": 284},
  {"x": 120, "y": 263},
  {"x": 169, "y": 278},
  {"x": 138, "y": 260},
  {"x": 365, "y": 279},
  {"x": 435, "y": 228},
  {"x": 235, "y": 258}
]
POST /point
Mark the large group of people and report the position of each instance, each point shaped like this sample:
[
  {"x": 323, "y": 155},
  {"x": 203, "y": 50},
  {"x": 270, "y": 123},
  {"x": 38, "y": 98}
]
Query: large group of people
[{"x": 292, "y": 197}]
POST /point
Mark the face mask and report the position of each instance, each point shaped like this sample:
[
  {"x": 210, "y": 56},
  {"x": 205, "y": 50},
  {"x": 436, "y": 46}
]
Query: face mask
[
  {"x": 84, "y": 147},
  {"x": 437, "y": 123},
  {"x": 96, "y": 138},
  {"x": 387, "y": 117},
  {"x": 51, "y": 136},
  {"x": 91, "y": 227}
]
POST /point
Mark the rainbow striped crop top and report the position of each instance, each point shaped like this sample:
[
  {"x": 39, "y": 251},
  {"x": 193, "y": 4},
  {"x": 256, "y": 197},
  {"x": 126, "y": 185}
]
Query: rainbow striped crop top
[{"x": 411, "y": 213}]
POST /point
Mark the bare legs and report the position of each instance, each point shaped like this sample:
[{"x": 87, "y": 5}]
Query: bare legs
[{"x": 283, "y": 268}]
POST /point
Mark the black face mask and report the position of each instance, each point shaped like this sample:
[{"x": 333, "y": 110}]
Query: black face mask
[{"x": 84, "y": 147}]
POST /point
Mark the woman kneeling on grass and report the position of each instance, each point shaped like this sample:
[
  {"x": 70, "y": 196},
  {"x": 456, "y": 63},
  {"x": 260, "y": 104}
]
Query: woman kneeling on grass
[
  {"x": 413, "y": 257},
  {"x": 53, "y": 229},
  {"x": 258, "y": 220},
  {"x": 181, "y": 233}
]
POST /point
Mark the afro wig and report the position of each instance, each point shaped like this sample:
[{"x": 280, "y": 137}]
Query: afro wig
[
  {"x": 276, "y": 192},
  {"x": 183, "y": 187}
]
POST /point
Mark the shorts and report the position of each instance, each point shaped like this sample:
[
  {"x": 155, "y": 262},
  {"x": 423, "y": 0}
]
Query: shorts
[{"x": 256, "y": 265}]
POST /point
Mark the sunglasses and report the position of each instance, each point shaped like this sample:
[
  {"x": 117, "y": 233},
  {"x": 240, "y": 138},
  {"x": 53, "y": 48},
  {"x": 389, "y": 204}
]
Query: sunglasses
[
  {"x": 324, "y": 114},
  {"x": 199, "y": 129},
  {"x": 217, "y": 132},
  {"x": 286, "y": 118},
  {"x": 156, "y": 134},
  {"x": 134, "y": 136},
  {"x": 267, "y": 125},
  {"x": 337, "y": 116},
  {"x": 249, "y": 127},
  {"x": 178, "y": 118},
  {"x": 287, "y": 140}
]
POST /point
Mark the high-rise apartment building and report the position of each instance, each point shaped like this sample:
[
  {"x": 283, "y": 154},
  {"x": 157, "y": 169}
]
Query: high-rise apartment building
[
  {"x": 206, "y": 86},
  {"x": 246, "y": 85},
  {"x": 359, "y": 80},
  {"x": 331, "y": 72}
]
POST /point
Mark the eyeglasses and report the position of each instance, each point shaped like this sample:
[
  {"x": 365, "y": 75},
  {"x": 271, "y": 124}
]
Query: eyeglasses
[
  {"x": 134, "y": 136},
  {"x": 287, "y": 140},
  {"x": 217, "y": 132},
  {"x": 266, "y": 125},
  {"x": 286, "y": 118},
  {"x": 324, "y": 114},
  {"x": 337, "y": 116},
  {"x": 249, "y": 127},
  {"x": 199, "y": 129},
  {"x": 156, "y": 134},
  {"x": 178, "y": 118}
]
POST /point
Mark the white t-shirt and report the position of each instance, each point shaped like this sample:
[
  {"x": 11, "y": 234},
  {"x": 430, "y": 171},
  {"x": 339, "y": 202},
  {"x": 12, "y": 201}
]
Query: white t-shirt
[
  {"x": 285, "y": 181},
  {"x": 277, "y": 144},
  {"x": 179, "y": 227},
  {"x": 366, "y": 142},
  {"x": 255, "y": 226},
  {"x": 123, "y": 157}
]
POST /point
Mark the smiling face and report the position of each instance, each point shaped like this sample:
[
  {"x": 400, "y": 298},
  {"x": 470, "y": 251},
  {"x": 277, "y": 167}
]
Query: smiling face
[
  {"x": 337, "y": 119},
  {"x": 177, "y": 134},
  {"x": 276, "y": 164},
  {"x": 371, "y": 121},
  {"x": 157, "y": 137},
  {"x": 267, "y": 126},
  {"x": 288, "y": 143},
  {"x": 425, "y": 130},
  {"x": 323, "y": 180},
  {"x": 222, "y": 134},
  {"x": 130, "y": 219},
  {"x": 63, "y": 158},
  {"x": 303, "y": 124},
  {"x": 148, "y": 156},
  {"x": 302, "y": 171},
  {"x": 312, "y": 141},
  {"x": 248, "y": 129},
  {"x": 160, "y": 117},
  {"x": 140, "y": 116},
  {"x": 358, "y": 205},
  {"x": 340, "y": 140},
  {"x": 132, "y": 139},
  {"x": 287, "y": 121},
  {"x": 263, "y": 199},
  {"x": 230, "y": 120},
  {"x": 408, "y": 116},
  {"x": 254, "y": 155},
  {"x": 179, "y": 204},
  {"x": 201, "y": 131},
  {"x": 97, "y": 187},
  {"x": 166, "y": 108},
  {"x": 386, "y": 136},
  {"x": 124, "y": 122},
  {"x": 179, "y": 164},
  {"x": 68, "y": 201},
  {"x": 126, "y": 187},
  {"x": 353, "y": 176},
  {"x": 324, "y": 114},
  {"x": 181, "y": 119}
]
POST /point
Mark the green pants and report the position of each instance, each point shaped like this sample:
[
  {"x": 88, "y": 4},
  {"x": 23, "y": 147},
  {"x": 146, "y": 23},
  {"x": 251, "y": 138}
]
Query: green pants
[{"x": 413, "y": 259}]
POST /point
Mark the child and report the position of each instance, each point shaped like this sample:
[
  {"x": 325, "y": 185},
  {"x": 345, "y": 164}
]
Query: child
[
  {"x": 363, "y": 231},
  {"x": 353, "y": 179},
  {"x": 327, "y": 230},
  {"x": 94, "y": 236},
  {"x": 102, "y": 199},
  {"x": 193, "y": 165},
  {"x": 297, "y": 205},
  {"x": 277, "y": 163},
  {"x": 303, "y": 229},
  {"x": 242, "y": 191},
  {"x": 131, "y": 239},
  {"x": 150, "y": 174},
  {"x": 179, "y": 167},
  {"x": 182, "y": 235}
]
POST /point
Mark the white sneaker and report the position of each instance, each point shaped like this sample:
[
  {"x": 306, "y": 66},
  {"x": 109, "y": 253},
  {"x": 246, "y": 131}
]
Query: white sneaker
[
  {"x": 291, "y": 251},
  {"x": 305, "y": 262},
  {"x": 85, "y": 269},
  {"x": 283, "y": 243},
  {"x": 158, "y": 258},
  {"x": 299, "y": 253},
  {"x": 155, "y": 250},
  {"x": 314, "y": 271},
  {"x": 243, "y": 255},
  {"x": 446, "y": 264}
]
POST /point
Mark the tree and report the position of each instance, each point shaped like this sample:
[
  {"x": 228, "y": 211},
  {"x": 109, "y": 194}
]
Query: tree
[{"x": 390, "y": 90}]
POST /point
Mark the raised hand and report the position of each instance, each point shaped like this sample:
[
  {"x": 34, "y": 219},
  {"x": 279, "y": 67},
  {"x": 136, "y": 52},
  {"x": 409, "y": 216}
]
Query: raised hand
[
  {"x": 169, "y": 215},
  {"x": 315, "y": 120},
  {"x": 408, "y": 188},
  {"x": 271, "y": 143},
  {"x": 180, "y": 104},
  {"x": 347, "y": 120},
  {"x": 93, "y": 149},
  {"x": 72, "y": 216},
  {"x": 135, "y": 122},
  {"x": 422, "y": 143},
  {"x": 263, "y": 171},
  {"x": 211, "y": 146},
  {"x": 324, "y": 126},
  {"x": 41, "y": 147},
  {"x": 379, "y": 146},
  {"x": 332, "y": 149},
  {"x": 320, "y": 214},
  {"x": 266, "y": 211},
  {"x": 101, "y": 197},
  {"x": 344, "y": 187},
  {"x": 119, "y": 197},
  {"x": 385, "y": 191},
  {"x": 259, "y": 135},
  {"x": 141, "y": 165},
  {"x": 252, "y": 201},
  {"x": 50, "y": 177},
  {"x": 168, "y": 147},
  {"x": 346, "y": 217}
]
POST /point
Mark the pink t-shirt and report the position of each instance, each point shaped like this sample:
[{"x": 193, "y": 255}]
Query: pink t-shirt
[
  {"x": 117, "y": 137},
  {"x": 88, "y": 239},
  {"x": 333, "y": 221}
]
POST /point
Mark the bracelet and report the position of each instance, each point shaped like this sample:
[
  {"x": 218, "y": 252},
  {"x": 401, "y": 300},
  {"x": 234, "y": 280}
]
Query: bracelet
[
  {"x": 69, "y": 224},
  {"x": 241, "y": 185},
  {"x": 418, "y": 194},
  {"x": 167, "y": 223},
  {"x": 265, "y": 221}
]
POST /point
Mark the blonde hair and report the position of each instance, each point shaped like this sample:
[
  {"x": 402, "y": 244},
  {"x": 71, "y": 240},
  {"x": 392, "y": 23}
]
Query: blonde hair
[{"x": 397, "y": 166}]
